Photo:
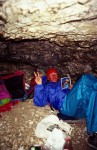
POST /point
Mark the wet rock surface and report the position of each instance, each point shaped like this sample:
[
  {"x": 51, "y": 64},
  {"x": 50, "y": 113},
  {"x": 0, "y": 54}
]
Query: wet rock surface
[{"x": 17, "y": 127}]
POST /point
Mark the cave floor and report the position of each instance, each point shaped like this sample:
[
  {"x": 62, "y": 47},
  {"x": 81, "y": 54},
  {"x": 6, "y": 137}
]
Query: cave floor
[{"x": 17, "y": 127}]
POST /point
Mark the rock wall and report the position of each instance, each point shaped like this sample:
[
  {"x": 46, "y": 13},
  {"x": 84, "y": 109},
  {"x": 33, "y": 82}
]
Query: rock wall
[
  {"x": 71, "y": 58},
  {"x": 45, "y": 33}
]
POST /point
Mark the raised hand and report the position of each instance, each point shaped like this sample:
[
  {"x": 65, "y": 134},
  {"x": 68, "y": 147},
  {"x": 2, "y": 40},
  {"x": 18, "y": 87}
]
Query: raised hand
[
  {"x": 71, "y": 86},
  {"x": 38, "y": 78}
]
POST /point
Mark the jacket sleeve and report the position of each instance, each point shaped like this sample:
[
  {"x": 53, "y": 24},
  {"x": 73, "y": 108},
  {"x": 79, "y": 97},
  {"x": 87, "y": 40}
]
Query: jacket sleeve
[{"x": 40, "y": 96}]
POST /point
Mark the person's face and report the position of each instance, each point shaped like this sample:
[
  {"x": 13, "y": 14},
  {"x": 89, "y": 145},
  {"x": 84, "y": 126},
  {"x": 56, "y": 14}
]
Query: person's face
[{"x": 53, "y": 77}]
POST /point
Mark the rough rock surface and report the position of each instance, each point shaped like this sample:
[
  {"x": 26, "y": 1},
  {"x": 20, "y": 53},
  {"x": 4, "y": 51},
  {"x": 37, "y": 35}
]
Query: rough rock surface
[
  {"x": 72, "y": 58},
  {"x": 17, "y": 127},
  {"x": 46, "y": 33},
  {"x": 54, "y": 20}
]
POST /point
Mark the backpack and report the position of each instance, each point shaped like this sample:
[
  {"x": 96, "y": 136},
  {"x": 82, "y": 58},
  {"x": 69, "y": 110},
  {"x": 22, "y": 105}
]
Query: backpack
[
  {"x": 5, "y": 98},
  {"x": 3, "y": 91},
  {"x": 15, "y": 84}
]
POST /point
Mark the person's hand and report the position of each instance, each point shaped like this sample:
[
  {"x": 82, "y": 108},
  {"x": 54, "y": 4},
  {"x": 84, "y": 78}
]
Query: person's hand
[
  {"x": 38, "y": 78},
  {"x": 71, "y": 86}
]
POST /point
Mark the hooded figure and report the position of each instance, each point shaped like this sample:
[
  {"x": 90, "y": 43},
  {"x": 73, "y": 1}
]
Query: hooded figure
[
  {"x": 52, "y": 75},
  {"x": 51, "y": 92}
]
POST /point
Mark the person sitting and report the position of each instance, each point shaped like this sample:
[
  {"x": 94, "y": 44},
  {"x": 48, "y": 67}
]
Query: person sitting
[{"x": 80, "y": 101}]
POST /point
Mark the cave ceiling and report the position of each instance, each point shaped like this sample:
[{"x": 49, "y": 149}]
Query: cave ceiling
[
  {"x": 55, "y": 20},
  {"x": 59, "y": 33}
]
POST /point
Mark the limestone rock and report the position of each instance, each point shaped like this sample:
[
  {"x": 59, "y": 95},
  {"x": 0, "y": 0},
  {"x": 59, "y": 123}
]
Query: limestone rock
[{"x": 54, "y": 20}]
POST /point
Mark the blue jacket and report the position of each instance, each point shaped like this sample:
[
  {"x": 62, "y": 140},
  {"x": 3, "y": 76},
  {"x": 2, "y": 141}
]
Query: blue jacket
[{"x": 50, "y": 93}]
